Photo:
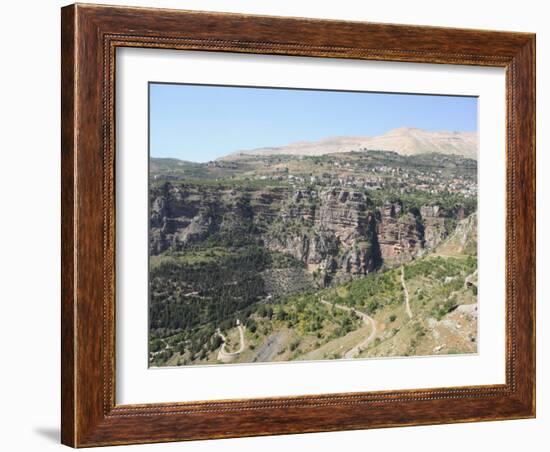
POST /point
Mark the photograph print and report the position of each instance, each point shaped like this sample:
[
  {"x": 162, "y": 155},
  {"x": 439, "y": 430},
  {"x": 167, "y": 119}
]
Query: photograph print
[{"x": 299, "y": 224}]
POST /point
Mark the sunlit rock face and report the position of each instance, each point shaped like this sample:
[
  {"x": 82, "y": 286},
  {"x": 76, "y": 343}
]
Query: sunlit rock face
[{"x": 336, "y": 232}]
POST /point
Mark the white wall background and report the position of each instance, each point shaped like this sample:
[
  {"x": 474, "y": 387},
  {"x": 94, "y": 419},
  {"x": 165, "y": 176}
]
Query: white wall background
[{"x": 29, "y": 255}]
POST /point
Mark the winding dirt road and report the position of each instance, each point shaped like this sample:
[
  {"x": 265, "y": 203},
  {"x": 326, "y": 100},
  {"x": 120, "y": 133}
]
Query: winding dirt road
[
  {"x": 406, "y": 292},
  {"x": 367, "y": 320},
  {"x": 223, "y": 354}
]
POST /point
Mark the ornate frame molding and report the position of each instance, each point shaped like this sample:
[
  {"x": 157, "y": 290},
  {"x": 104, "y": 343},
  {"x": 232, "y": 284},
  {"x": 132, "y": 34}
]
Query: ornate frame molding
[{"x": 90, "y": 37}]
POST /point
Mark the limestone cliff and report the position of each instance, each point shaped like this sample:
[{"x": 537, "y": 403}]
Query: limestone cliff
[{"x": 337, "y": 233}]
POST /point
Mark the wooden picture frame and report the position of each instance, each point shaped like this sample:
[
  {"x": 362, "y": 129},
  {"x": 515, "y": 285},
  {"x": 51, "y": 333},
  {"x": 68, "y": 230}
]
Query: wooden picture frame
[{"x": 90, "y": 36}]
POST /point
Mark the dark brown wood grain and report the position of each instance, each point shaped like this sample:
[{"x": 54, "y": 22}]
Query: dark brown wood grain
[
  {"x": 67, "y": 225},
  {"x": 90, "y": 36}
]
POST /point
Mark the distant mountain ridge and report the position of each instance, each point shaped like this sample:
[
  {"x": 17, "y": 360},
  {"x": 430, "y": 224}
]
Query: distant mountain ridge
[{"x": 404, "y": 141}]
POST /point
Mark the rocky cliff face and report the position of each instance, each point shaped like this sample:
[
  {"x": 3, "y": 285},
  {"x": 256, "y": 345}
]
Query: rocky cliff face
[
  {"x": 337, "y": 233},
  {"x": 434, "y": 225},
  {"x": 401, "y": 235},
  {"x": 333, "y": 232}
]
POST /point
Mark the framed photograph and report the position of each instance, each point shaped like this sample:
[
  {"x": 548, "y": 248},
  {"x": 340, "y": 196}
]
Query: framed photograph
[{"x": 281, "y": 225}]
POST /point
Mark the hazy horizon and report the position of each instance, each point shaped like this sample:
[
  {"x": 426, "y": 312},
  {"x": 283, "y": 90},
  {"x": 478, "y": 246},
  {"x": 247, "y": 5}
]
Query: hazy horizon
[{"x": 200, "y": 123}]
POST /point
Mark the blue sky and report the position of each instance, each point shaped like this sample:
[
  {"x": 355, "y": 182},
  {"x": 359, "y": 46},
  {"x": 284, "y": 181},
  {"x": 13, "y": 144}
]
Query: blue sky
[{"x": 200, "y": 123}]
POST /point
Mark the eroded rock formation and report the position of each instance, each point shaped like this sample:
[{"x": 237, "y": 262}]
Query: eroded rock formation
[{"x": 337, "y": 233}]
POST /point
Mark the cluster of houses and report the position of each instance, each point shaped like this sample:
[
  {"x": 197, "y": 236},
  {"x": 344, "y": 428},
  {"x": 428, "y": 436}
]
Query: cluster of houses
[
  {"x": 369, "y": 171},
  {"x": 383, "y": 177}
]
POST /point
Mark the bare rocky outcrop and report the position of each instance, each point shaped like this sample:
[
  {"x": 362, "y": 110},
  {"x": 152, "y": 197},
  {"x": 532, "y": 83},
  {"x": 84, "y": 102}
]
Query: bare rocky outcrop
[
  {"x": 401, "y": 235},
  {"x": 463, "y": 238},
  {"x": 434, "y": 225},
  {"x": 332, "y": 231}
]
